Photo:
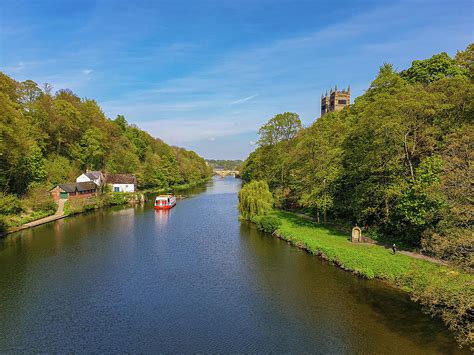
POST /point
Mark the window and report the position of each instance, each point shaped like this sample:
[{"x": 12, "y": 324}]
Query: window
[
  {"x": 116, "y": 189},
  {"x": 341, "y": 102}
]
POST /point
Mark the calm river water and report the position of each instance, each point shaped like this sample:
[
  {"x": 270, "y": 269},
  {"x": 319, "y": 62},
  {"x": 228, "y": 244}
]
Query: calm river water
[{"x": 193, "y": 279}]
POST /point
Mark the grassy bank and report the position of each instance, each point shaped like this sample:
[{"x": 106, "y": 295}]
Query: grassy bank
[
  {"x": 76, "y": 206},
  {"x": 176, "y": 188},
  {"x": 443, "y": 291}
]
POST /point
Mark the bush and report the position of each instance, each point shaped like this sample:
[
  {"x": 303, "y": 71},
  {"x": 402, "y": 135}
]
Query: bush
[
  {"x": 39, "y": 199},
  {"x": 267, "y": 224},
  {"x": 455, "y": 245},
  {"x": 77, "y": 205},
  {"x": 10, "y": 204},
  {"x": 116, "y": 198}
]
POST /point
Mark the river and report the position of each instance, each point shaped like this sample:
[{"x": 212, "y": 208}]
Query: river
[{"x": 193, "y": 279}]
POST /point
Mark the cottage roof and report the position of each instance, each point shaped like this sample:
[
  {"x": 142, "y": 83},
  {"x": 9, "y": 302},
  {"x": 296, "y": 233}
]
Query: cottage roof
[
  {"x": 79, "y": 186},
  {"x": 93, "y": 175},
  {"x": 120, "y": 179}
]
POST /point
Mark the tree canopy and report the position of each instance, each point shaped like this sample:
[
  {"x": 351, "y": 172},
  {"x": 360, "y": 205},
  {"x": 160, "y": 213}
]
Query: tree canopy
[
  {"x": 48, "y": 138},
  {"x": 399, "y": 158}
]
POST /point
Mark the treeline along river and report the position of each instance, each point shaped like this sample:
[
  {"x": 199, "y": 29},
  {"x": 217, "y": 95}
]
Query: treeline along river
[{"x": 193, "y": 279}]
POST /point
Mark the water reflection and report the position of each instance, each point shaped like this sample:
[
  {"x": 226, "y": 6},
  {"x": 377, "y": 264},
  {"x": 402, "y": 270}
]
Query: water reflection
[
  {"x": 192, "y": 279},
  {"x": 162, "y": 217}
]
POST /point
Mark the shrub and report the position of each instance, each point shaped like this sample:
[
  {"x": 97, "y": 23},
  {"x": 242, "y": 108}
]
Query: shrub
[
  {"x": 267, "y": 224},
  {"x": 10, "y": 204},
  {"x": 75, "y": 205},
  {"x": 452, "y": 244},
  {"x": 116, "y": 198},
  {"x": 255, "y": 199},
  {"x": 39, "y": 199}
]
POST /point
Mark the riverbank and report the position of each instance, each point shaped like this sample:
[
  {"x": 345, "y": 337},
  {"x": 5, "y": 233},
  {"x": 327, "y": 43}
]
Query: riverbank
[
  {"x": 176, "y": 188},
  {"x": 71, "y": 207},
  {"x": 77, "y": 206},
  {"x": 443, "y": 291}
]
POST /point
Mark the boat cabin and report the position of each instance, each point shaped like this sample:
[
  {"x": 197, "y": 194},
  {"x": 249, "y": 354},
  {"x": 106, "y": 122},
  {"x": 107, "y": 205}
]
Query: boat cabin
[{"x": 165, "y": 202}]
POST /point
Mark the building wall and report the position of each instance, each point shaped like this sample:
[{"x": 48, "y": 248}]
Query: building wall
[
  {"x": 55, "y": 193},
  {"x": 84, "y": 178},
  {"x": 123, "y": 187},
  {"x": 335, "y": 101}
]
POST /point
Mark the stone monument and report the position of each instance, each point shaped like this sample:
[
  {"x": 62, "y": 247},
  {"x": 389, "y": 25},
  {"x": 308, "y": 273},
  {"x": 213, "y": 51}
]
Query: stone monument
[{"x": 356, "y": 235}]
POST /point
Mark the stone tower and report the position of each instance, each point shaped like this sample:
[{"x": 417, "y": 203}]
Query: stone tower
[{"x": 336, "y": 100}]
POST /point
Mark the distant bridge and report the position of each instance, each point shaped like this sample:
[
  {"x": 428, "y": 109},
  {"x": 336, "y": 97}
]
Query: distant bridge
[{"x": 224, "y": 173}]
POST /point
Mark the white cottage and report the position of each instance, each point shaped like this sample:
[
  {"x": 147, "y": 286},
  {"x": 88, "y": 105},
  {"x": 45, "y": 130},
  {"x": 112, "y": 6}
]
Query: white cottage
[
  {"x": 95, "y": 176},
  {"x": 121, "y": 182}
]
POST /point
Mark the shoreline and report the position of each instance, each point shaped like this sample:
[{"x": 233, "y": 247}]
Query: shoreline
[
  {"x": 95, "y": 206},
  {"x": 442, "y": 290}
]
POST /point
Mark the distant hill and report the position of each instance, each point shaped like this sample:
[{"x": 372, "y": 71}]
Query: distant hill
[
  {"x": 226, "y": 164},
  {"x": 47, "y": 138}
]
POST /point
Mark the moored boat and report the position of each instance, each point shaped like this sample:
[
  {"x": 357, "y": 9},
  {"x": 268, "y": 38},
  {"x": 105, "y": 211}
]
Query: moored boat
[{"x": 165, "y": 202}]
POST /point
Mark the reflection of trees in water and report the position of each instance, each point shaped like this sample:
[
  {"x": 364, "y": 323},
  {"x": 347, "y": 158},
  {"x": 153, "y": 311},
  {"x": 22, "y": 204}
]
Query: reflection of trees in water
[
  {"x": 394, "y": 309},
  {"x": 296, "y": 288},
  {"x": 350, "y": 313}
]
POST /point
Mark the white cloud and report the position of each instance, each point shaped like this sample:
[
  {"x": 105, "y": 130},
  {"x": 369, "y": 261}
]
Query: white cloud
[
  {"x": 87, "y": 71},
  {"x": 243, "y": 100}
]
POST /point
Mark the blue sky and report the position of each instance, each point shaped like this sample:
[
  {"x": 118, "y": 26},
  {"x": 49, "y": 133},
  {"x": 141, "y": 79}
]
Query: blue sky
[{"x": 206, "y": 75}]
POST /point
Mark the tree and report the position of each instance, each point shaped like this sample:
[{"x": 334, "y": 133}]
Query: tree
[
  {"x": 255, "y": 199},
  {"x": 319, "y": 167},
  {"x": 121, "y": 122},
  {"x": 90, "y": 151},
  {"x": 282, "y": 127},
  {"x": 465, "y": 59},
  {"x": 435, "y": 68}
]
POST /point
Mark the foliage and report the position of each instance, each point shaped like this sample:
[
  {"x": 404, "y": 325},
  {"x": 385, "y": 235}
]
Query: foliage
[
  {"x": 466, "y": 60},
  {"x": 78, "y": 205},
  {"x": 267, "y": 224},
  {"x": 117, "y": 198},
  {"x": 10, "y": 204},
  {"x": 399, "y": 158},
  {"x": 255, "y": 199},
  {"x": 282, "y": 127},
  {"x": 432, "y": 69},
  {"x": 60, "y": 169},
  {"x": 226, "y": 164},
  {"x": 443, "y": 291},
  {"x": 47, "y": 138},
  {"x": 39, "y": 199}
]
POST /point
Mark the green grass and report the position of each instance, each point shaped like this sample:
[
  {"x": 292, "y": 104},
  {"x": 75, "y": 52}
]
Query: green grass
[
  {"x": 14, "y": 221},
  {"x": 444, "y": 291}
]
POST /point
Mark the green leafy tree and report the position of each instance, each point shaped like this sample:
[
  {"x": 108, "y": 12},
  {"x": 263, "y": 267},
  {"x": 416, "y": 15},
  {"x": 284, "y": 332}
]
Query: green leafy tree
[
  {"x": 465, "y": 59},
  {"x": 90, "y": 151},
  {"x": 435, "y": 68},
  {"x": 319, "y": 167},
  {"x": 255, "y": 199},
  {"x": 400, "y": 158},
  {"x": 282, "y": 127}
]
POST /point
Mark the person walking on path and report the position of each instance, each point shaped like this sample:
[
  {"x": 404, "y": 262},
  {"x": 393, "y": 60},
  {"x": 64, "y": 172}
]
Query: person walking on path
[{"x": 394, "y": 248}]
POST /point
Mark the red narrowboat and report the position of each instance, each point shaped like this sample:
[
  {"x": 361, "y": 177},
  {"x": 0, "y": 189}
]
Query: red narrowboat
[{"x": 165, "y": 202}]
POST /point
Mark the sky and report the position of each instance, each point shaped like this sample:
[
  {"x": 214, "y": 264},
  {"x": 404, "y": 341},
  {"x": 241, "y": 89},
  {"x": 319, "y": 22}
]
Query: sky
[{"x": 205, "y": 75}]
